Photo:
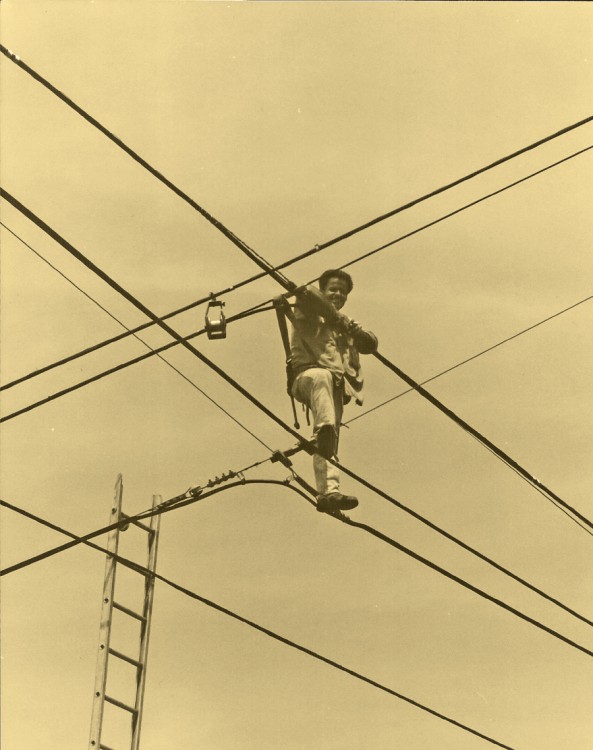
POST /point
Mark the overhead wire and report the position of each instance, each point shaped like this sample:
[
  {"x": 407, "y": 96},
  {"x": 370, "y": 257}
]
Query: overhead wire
[
  {"x": 195, "y": 494},
  {"x": 480, "y": 592},
  {"x": 248, "y": 251},
  {"x": 317, "y": 248},
  {"x": 305, "y": 444},
  {"x": 259, "y": 260},
  {"x": 268, "y": 268},
  {"x": 366, "y": 255},
  {"x": 456, "y": 540},
  {"x": 149, "y": 313},
  {"x": 253, "y": 309},
  {"x": 216, "y": 224},
  {"x": 480, "y": 437},
  {"x": 470, "y": 359},
  {"x": 150, "y": 348},
  {"x": 125, "y": 334},
  {"x": 164, "y": 507},
  {"x": 260, "y": 628}
]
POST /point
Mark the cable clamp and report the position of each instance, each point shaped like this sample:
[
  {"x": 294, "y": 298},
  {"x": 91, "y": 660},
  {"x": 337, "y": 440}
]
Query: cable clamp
[
  {"x": 279, "y": 456},
  {"x": 194, "y": 491}
]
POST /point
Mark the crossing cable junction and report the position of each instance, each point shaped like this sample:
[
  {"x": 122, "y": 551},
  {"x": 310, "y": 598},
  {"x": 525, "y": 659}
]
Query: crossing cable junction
[
  {"x": 289, "y": 286},
  {"x": 502, "y": 455},
  {"x": 403, "y": 507}
]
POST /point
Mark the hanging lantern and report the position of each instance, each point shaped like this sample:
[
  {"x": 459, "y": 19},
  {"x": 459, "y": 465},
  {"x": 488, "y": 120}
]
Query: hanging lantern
[{"x": 215, "y": 320}]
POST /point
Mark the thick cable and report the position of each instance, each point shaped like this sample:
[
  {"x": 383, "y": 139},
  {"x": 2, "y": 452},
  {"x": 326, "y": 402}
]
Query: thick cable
[
  {"x": 150, "y": 348},
  {"x": 243, "y": 246},
  {"x": 164, "y": 507},
  {"x": 464, "y": 208},
  {"x": 125, "y": 334},
  {"x": 266, "y": 631},
  {"x": 470, "y": 359},
  {"x": 464, "y": 583},
  {"x": 140, "y": 306},
  {"x": 259, "y": 306},
  {"x": 118, "y": 368},
  {"x": 261, "y": 275},
  {"x": 218, "y": 370},
  {"x": 264, "y": 264},
  {"x": 479, "y": 436},
  {"x": 127, "y": 295}
]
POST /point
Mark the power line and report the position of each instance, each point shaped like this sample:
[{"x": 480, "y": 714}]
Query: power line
[
  {"x": 302, "y": 442},
  {"x": 264, "y": 264},
  {"x": 464, "y": 545},
  {"x": 446, "y": 535},
  {"x": 164, "y": 507},
  {"x": 259, "y": 260},
  {"x": 255, "y": 308},
  {"x": 187, "y": 498},
  {"x": 478, "y": 435},
  {"x": 261, "y": 628},
  {"x": 119, "y": 337},
  {"x": 464, "y": 208},
  {"x": 470, "y": 359},
  {"x": 287, "y": 263},
  {"x": 151, "y": 350},
  {"x": 197, "y": 494},
  {"x": 140, "y": 306},
  {"x": 462, "y": 582},
  {"x": 248, "y": 251},
  {"x": 118, "y": 368}
]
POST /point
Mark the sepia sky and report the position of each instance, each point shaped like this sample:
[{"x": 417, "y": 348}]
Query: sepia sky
[{"x": 293, "y": 123}]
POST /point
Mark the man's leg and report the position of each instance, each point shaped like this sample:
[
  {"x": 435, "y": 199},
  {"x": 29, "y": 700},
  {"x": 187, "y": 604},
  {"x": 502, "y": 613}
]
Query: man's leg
[{"x": 315, "y": 388}]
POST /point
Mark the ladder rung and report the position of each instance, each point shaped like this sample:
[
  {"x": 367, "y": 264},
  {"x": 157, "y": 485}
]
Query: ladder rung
[
  {"x": 119, "y": 704},
  {"x": 139, "y": 524},
  {"x": 104, "y": 747},
  {"x": 129, "y": 659},
  {"x": 129, "y": 612}
]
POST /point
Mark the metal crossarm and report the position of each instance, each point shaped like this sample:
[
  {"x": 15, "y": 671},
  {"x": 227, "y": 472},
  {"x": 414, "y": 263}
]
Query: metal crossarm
[{"x": 108, "y": 605}]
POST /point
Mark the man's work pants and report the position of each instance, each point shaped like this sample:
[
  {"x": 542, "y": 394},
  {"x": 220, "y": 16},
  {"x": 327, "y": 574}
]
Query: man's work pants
[{"x": 316, "y": 389}]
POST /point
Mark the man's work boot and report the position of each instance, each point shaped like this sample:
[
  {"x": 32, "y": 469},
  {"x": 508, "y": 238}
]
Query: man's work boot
[
  {"x": 333, "y": 501},
  {"x": 325, "y": 441}
]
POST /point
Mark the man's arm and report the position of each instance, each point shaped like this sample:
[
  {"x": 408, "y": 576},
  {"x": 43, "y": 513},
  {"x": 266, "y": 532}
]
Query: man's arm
[
  {"x": 365, "y": 341},
  {"x": 312, "y": 304}
]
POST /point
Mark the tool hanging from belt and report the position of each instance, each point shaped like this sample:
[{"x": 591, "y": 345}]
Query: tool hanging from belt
[{"x": 282, "y": 312}]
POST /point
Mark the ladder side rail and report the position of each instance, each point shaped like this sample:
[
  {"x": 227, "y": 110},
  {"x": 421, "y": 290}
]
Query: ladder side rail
[
  {"x": 153, "y": 540},
  {"x": 106, "y": 619}
]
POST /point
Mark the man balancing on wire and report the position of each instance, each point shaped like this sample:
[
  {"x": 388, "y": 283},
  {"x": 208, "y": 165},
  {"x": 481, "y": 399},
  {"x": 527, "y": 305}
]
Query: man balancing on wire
[{"x": 326, "y": 373}]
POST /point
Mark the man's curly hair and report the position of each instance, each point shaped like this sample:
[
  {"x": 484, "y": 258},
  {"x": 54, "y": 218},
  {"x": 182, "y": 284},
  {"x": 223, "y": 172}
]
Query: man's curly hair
[{"x": 336, "y": 273}]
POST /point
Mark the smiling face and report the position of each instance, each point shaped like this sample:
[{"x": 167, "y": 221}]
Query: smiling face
[{"x": 336, "y": 292}]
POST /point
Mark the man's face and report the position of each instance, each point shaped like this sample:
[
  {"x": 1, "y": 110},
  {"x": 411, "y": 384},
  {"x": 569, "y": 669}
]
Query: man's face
[{"x": 336, "y": 292}]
